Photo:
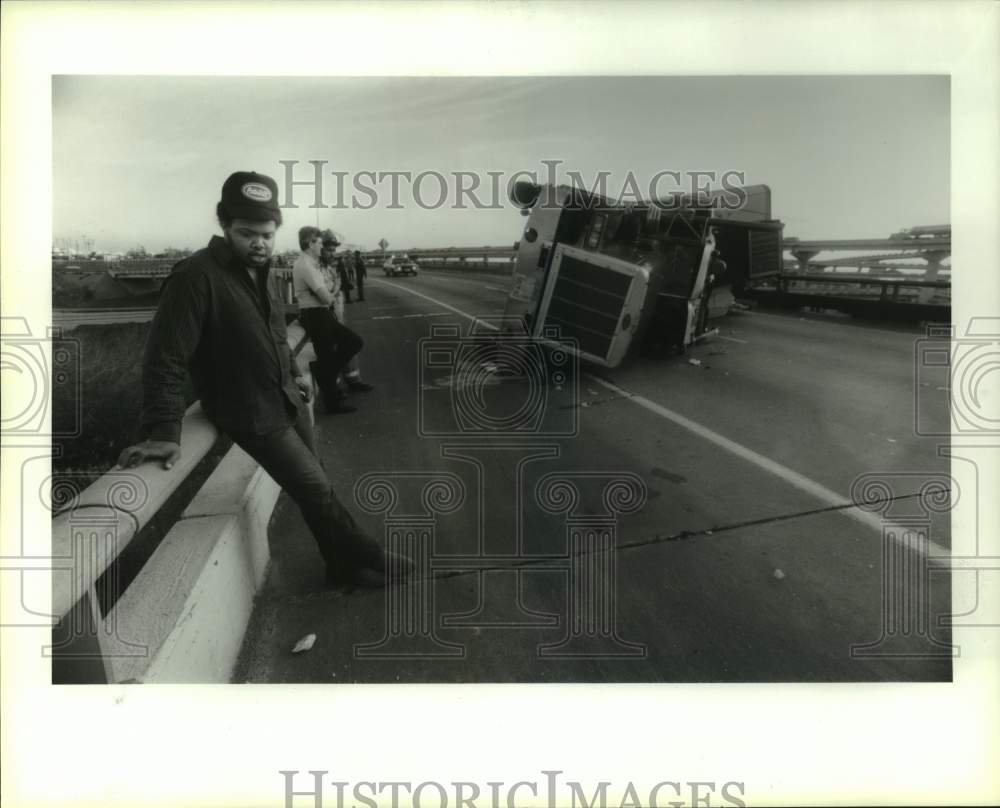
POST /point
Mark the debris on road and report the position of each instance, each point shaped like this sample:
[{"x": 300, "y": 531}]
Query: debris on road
[
  {"x": 592, "y": 392},
  {"x": 891, "y": 440},
  {"x": 304, "y": 644},
  {"x": 656, "y": 471},
  {"x": 695, "y": 362},
  {"x": 779, "y": 574}
]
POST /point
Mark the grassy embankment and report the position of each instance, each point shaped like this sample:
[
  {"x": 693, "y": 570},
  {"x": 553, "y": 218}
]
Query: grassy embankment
[{"x": 106, "y": 413}]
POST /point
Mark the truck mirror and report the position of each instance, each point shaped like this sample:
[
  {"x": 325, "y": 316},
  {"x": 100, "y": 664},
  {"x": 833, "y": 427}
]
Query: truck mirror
[{"x": 524, "y": 194}]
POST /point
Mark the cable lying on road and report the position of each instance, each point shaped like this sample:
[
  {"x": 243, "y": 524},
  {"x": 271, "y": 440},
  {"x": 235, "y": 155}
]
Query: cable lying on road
[{"x": 466, "y": 565}]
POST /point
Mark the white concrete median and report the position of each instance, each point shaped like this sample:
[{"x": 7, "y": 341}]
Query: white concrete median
[{"x": 191, "y": 602}]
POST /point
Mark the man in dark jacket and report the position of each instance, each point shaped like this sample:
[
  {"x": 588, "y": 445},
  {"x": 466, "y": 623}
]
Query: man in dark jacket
[
  {"x": 360, "y": 272},
  {"x": 217, "y": 320}
]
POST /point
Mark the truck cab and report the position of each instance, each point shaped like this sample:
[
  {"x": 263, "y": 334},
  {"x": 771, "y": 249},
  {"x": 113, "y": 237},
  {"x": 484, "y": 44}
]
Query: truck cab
[{"x": 604, "y": 278}]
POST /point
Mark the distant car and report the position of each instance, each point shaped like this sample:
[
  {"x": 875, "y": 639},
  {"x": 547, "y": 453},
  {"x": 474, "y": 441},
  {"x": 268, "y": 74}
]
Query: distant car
[{"x": 399, "y": 265}]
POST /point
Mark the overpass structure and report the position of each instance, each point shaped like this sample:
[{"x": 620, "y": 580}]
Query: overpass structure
[{"x": 931, "y": 244}]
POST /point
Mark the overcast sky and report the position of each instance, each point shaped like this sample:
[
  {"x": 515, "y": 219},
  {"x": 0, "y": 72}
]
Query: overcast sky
[{"x": 141, "y": 160}]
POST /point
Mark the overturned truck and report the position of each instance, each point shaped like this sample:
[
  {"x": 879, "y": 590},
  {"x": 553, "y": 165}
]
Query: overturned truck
[{"x": 608, "y": 278}]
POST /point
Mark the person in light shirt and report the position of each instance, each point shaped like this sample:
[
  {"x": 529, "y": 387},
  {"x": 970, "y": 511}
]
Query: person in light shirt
[
  {"x": 328, "y": 266},
  {"x": 334, "y": 343}
]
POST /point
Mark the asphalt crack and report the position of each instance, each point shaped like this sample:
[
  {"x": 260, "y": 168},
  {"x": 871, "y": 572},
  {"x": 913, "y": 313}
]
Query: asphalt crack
[{"x": 558, "y": 561}]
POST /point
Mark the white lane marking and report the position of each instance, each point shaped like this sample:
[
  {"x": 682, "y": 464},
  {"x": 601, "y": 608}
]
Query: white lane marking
[
  {"x": 437, "y": 302},
  {"x": 407, "y": 316},
  {"x": 793, "y": 478},
  {"x": 732, "y": 339},
  {"x": 471, "y": 282}
]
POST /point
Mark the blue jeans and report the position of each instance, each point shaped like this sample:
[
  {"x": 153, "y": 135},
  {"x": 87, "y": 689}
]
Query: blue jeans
[{"x": 289, "y": 456}]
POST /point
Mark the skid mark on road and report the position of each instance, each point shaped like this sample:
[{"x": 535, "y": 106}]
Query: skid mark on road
[{"x": 832, "y": 500}]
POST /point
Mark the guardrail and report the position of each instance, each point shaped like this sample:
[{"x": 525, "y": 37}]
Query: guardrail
[
  {"x": 889, "y": 288},
  {"x": 498, "y": 260},
  {"x": 183, "y": 616},
  {"x": 68, "y": 319},
  {"x": 886, "y": 300}
]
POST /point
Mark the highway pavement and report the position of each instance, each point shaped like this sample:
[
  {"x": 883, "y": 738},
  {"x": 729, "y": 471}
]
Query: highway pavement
[{"x": 683, "y": 518}]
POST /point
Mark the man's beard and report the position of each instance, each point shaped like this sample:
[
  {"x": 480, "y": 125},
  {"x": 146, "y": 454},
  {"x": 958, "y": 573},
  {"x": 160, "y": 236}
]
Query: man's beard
[{"x": 252, "y": 259}]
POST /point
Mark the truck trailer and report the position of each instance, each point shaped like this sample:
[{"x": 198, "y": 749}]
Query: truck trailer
[{"x": 605, "y": 279}]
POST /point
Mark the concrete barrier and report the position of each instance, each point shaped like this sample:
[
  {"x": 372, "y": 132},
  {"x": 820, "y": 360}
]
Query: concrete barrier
[
  {"x": 190, "y": 604},
  {"x": 183, "y": 617}
]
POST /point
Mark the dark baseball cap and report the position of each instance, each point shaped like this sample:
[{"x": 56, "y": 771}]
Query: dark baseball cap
[{"x": 249, "y": 195}]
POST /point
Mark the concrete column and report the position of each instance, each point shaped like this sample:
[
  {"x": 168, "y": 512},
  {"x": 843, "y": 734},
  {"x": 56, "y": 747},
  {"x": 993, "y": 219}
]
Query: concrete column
[{"x": 804, "y": 257}]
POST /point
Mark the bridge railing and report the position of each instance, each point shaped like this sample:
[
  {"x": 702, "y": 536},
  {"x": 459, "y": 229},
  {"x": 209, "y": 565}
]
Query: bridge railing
[
  {"x": 887, "y": 289},
  {"x": 499, "y": 260},
  {"x": 908, "y": 299}
]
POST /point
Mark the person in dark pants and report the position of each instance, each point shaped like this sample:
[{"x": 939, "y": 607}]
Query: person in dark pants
[
  {"x": 360, "y": 271},
  {"x": 327, "y": 259},
  {"x": 345, "y": 279},
  {"x": 335, "y": 344},
  {"x": 217, "y": 321}
]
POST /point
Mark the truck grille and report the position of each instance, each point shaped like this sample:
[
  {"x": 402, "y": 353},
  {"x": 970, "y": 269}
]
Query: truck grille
[
  {"x": 765, "y": 253},
  {"x": 586, "y": 304}
]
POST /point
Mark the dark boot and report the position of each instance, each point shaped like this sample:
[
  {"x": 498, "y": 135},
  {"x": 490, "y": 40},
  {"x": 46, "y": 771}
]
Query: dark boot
[
  {"x": 393, "y": 569},
  {"x": 361, "y": 561},
  {"x": 334, "y": 401}
]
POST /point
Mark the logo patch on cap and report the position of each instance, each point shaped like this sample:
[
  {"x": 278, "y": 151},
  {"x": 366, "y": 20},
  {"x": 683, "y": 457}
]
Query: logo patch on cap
[{"x": 256, "y": 191}]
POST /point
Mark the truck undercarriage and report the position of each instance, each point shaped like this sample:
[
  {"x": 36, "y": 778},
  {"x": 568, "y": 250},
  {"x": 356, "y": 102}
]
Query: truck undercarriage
[{"x": 605, "y": 279}]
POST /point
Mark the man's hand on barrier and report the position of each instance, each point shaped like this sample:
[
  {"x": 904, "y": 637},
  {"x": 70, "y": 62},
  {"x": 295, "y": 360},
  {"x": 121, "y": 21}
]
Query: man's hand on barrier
[
  {"x": 165, "y": 450},
  {"x": 305, "y": 388}
]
